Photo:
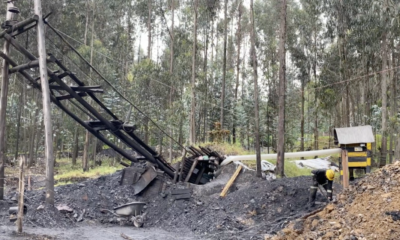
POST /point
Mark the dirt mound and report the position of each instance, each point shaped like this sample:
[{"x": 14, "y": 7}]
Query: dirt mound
[
  {"x": 252, "y": 208},
  {"x": 367, "y": 210}
]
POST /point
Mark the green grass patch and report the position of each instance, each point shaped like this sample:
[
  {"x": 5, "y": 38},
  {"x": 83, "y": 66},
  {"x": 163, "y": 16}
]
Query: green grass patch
[{"x": 67, "y": 173}]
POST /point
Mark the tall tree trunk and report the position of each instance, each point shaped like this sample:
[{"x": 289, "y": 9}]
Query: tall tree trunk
[
  {"x": 282, "y": 90},
  {"x": 302, "y": 115},
  {"x": 224, "y": 65},
  {"x": 20, "y": 106},
  {"x": 256, "y": 107},
  {"x": 3, "y": 106},
  {"x": 86, "y": 22},
  {"x": 384, "y": 100},
  {"x": 75, "y": 148},
  {"x": 85, "y": 160},
  {"x": 33, "y": 133},
  {"x": 149, "y": 6},
  {"x": 193, "y": 103},
  {"x": 239, "y": 39},
  {"x": 205, "y": 69},
  {"x": 393, "y": 105},
  {"x": 171, "y": 72},
  {"x": 146, "y": 120}
]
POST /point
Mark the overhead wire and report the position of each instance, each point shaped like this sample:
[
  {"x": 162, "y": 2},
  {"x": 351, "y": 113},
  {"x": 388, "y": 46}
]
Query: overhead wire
[
  {"x": 89, "y": 77},
  {"x": 116, "y": 90}
]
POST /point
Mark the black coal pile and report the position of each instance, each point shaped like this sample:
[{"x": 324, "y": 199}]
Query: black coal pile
[{"x": 253, "y": 207}]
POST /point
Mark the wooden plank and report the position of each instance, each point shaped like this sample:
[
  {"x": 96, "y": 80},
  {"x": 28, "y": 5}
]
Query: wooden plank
[
  {"x": 345, "y": 168},
  {"x": 181, "y": 196},
  {"x": 21, "y": 194},
  {"x": 96, "y": 89},
  {"x": 68, "y": 96},
  {"x": 194, "y": 164},
  {"x": 230, "y": 182}
]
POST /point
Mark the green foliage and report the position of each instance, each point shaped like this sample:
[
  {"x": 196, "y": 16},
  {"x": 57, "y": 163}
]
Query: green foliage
[{"x": 67, "y": 173}]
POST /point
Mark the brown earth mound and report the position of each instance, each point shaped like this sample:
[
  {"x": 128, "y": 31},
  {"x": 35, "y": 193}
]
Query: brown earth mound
[{"x": 367, "y": 210}]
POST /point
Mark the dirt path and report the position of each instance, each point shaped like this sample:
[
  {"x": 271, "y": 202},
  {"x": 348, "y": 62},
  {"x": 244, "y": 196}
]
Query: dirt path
[{"x": 97, "y": 232}]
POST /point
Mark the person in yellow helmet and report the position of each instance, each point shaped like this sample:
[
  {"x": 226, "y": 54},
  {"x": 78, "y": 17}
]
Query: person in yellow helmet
[{"x": 322, "y": 177}]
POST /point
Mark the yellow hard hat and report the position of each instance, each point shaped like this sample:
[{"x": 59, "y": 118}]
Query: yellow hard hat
[{"x": 330, "y": 174}]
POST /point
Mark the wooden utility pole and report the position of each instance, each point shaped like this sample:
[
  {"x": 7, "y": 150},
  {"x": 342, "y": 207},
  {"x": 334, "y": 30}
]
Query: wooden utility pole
[
  {"x": 46, "y": 105},
  {"x": 3, "y": 105}
]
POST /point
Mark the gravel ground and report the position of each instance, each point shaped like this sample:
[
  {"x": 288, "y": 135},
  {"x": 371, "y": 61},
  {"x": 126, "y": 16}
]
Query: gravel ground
[{"x": 253, "y": 207}]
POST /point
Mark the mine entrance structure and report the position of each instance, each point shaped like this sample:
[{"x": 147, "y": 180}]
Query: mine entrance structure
[
  {"x": 65, "y": 86},
  {"x": 357, "y": 141}
]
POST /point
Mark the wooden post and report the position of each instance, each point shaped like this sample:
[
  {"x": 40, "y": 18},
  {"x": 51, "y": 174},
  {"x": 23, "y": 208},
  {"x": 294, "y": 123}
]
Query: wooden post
[
  {"x": 194, "y": 164},
  {"x": 3, "y": 105},
  {"x": 230, "y": 182},
  {"x": 181, "y": 165},
  {"x": 21, "y": 194},
  {"x": 345, "y": 168},
  {"x": 46, "y": 104}
]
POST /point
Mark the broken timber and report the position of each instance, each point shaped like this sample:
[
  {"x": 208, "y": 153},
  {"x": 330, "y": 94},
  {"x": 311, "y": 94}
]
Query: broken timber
[
  {"x": 65, "y": 86},
  {"x": 124, "y": 132},
  {"x": 230, "y": 182}
]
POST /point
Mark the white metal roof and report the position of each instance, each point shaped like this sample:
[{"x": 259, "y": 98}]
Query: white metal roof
[{"x": 351, "y": 135}]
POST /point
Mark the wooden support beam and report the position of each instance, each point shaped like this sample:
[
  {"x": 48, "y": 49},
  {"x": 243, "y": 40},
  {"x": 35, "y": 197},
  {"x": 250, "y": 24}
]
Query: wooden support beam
[
  {"x": 22, "y": 30},
  {"x": 80, "y": 83},
  {"x": 94, "y": 89},
  {"x": 230, "y": 182},
  {"x": 31, "y": 64},
  {"x": 65, "y": 97},
  {"x": 345, "y": 168},
  {"x": 19, "y": 25},
  {"x": 21, "y": 189},
  {"x": 48, "y": 129},
  {"x": 68, "y": 112},
  {"x": 194, "y": 164},
  {"x": 113, "y": 130}
]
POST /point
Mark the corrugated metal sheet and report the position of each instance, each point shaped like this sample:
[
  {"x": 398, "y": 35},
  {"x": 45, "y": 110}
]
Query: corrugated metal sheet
[{"x": 352, "y": 135}]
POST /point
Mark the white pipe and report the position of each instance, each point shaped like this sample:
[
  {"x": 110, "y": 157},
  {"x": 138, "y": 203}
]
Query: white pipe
[{"x": 287, "y": 155}]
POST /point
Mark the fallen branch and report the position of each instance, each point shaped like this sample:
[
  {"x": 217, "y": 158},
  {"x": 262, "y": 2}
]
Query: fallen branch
[
  {"x": 126, "y": 237},
  {"x": 312, "y": 213}
]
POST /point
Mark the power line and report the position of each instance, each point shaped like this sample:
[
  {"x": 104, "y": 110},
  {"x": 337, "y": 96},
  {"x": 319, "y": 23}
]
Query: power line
[{"x": 120, "y": 94}]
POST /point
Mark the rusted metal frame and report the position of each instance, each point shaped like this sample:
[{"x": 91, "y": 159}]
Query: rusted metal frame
[
  {"x": 68, "y": 112},
  {"x": 80, "y": 83},
  {"x": 32, "y": 64},
  {"x": 19, "y": 25},
  {"x": 113, "y": 130}
]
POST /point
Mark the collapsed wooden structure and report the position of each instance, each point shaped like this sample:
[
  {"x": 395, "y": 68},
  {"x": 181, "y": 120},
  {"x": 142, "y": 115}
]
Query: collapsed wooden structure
[{"x": 201, "y": 172}]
